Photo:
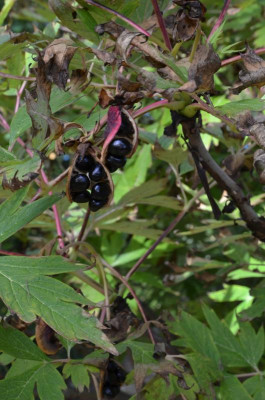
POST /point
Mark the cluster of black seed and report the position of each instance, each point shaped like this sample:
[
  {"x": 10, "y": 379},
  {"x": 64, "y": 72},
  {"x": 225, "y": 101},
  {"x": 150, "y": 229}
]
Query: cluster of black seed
[
  {"x": 92, "y": 175},
  {"x": 120, "y": 147},
  {"x": 114, "y": 378}
]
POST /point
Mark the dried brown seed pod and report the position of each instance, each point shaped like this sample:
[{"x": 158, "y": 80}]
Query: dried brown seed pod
[
  {"x": 88, "y": 179},
  {"x": 46, "y": 339}
]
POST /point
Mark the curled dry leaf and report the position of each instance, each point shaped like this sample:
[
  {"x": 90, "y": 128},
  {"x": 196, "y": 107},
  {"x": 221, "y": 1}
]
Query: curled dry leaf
[
  {"x": 105, "y": 56},
  {"x": 57, "y": 57},
  {"x": 233, "y": 163},
  {"x": 105, "y": 98},
  {"x": 126, "y": 84},
  {"x": 203, "y": 67},
  {"x": 259, "y": 164},
  {"x": 253, "y": 73},
  {"x": 78, "y": 80},
  {"x": 187, "y": 19},
  {"x": 124, "y": 41},
  {"x": 16, "y": 183},
  {"x": 258, "y": 131}
]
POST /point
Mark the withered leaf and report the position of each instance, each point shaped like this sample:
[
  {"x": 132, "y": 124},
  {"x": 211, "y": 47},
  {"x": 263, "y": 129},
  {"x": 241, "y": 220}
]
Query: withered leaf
[
  {"x": 259, "y": 164},
  {"x": 78, "y": 80},
  {"x": 15, "y": 183},
  {"x": 253, "y": 73},
  {"x": 258, "y": 131},
  {"x": 124, "y": 41},
  {"x": 126, "y": 84},
  {"x": 57, "y": 57},
  {"x": 233, "y": 163},
  {"x": 37, "y": 103},
  {"x": 105, "y": 56},
  {"x": 105, "y": 98},
  {"x": 205, "y": 63},
  {"x": 187, "y": 19}
]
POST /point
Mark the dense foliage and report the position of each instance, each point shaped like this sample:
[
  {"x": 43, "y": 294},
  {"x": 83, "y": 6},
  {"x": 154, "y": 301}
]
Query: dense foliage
[{"x": 132, "y": 229}]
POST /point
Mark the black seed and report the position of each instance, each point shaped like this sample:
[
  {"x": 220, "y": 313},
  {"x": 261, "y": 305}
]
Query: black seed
[
  {"x": 115, "y": 162},
  {"x": 126, "y": 127},
  {"x": 110, "y": 391},
  {"x": 82, "y": 197},
  {"x": 98, "y": 173},
  {"x": 100, "y": 191},
  {"x": 119, "y": 147},
  {"x": 85, "y": 164},
  {"x": 79, "y": 183},
  {"x": 95, "y": 205}
]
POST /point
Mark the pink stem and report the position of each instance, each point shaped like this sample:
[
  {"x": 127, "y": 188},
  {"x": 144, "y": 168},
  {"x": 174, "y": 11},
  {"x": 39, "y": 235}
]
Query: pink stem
[
  {"x": 220, "y": 18},
  {"x": 128, "y": 20},
  {"x": 150, "y": 107},
  {"x": 238, "y": 58},
  {"x": 161, "y": 24},
  {"x": 4, "y": 123},
  {"x": 19, "y": 94},
  {"x": 10, "y": 253}
]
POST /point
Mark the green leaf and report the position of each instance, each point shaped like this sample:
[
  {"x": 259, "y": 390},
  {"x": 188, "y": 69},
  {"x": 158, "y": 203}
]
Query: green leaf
[
  {"x": 11, "y": 205},
  {"x": 132, "y": 228},
  {"x": 20, "y": 386},
  {"x": 5, "y": 155},
  {"x": 13, "y": 223},
  {"x": 235, "y": 107},
  {"x": 232, "y": 389},
  {"x": 255, "y": 387},
  {"x": 79, "y": 375},
  {"x": 26, "y": 290},
  {"x": 252, "y": 343},
  {"x": 231, "y": 293},
  {"x": 142, "y": 352},
  {"x": 17, "y": 344},
  {"x": 231, "y": 350},
  {"x": 5, "y": 10},
  {"x": 145, "y": 190},
  {"x": 197, "y": 337}
]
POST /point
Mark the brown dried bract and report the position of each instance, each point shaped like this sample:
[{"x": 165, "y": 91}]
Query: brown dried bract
[
  {"x": 203, "y": 67},
  {"x": 253, "y": 73},
  {"x": 57, "y": 57}
]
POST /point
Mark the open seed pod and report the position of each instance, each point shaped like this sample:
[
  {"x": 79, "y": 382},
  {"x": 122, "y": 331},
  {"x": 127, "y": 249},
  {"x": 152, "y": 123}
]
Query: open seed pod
[
  {"x": 122, "y": 144},
  {"x": 89, "y": 181}
]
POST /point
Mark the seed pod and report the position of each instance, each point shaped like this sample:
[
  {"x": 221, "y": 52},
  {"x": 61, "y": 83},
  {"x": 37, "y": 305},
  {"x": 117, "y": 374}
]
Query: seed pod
[
  {"x": 87, "y": 173},
  {"x": 123, "y": 143}
]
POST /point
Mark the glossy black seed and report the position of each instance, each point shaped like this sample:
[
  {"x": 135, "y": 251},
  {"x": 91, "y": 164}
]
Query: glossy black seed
[
  {"x": 110, "y": 391},
  {"x": 119, "y": 147},
  {"x": 115, "y": 162},
  {"x": 95, "y": 205},
  {"x": 100, "y": 191},
  {"x": 79, "y": 183},
  {"x": 82, "y": 197},
  {"x": 85, "y": 164},
  {"x": 98, "y": 173},
  {"x": 126, "y": 128}
]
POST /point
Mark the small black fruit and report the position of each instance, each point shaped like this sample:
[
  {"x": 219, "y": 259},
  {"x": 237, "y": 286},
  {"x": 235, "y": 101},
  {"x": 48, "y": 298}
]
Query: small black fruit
[
  {"x": 115, "y": 162},
  {"x": 119, "y": 147},
  {"x": 100, "y": 191},
  {"x": 97, "y": 173},
  {"x": 79, "y": 183},
  {"x": 110, "y": 391},
  {"x": 82, "y": 197},
  {"x": 95, "y": 205},
  {"x": 85, "y": 164}
]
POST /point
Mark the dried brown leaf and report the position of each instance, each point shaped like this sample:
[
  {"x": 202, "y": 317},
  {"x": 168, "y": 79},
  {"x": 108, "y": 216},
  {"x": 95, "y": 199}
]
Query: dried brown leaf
[
  {"x": 105, "y": 98},
  {"x": 259, "y": 164},
  {"x": 78, "y": 80},
  {"x": 258, "y": 131},
  {"x": 187, "y": 19},
  {"x": 126, "y": 84},
  {"x": 105, "y": 56},
  {"x": 57, "y": 57},
  {"x": 124, "y": 41},
  {"x": 253, "y": 73},
  {"x": 233, "y": 163},
  {"x": 205, "y": 63},
  {"x": 16, "y": 183}
]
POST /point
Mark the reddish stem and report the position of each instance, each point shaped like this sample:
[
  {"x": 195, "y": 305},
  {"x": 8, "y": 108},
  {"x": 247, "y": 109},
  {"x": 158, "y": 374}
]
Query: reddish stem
[
  {"x": 150, "y": 107},
  {"x": 117, "y": 14},
  {"x": 159, "y": 240},
  {"x": 11, "y": 253},
  {"x": 238, "y": 58},
  {"x": 161, "y": 24},
  {"x": 220, "y": 18}
]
